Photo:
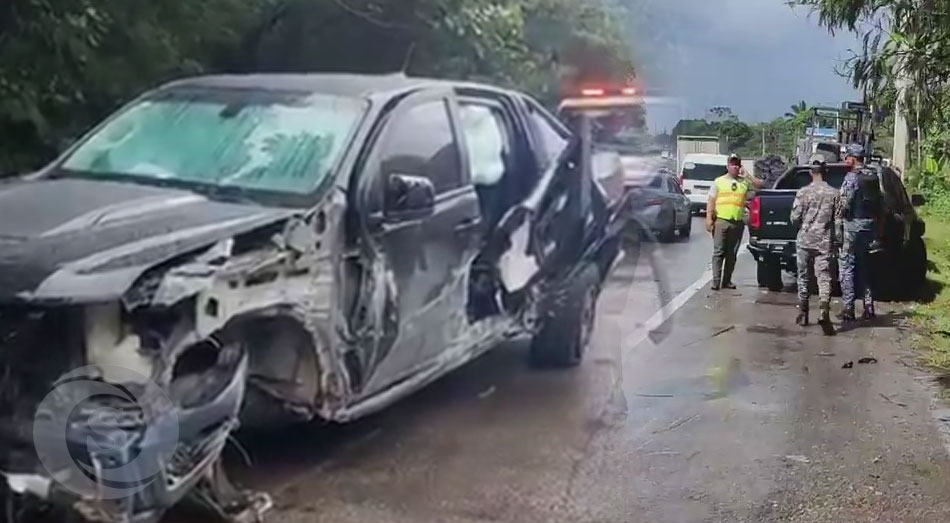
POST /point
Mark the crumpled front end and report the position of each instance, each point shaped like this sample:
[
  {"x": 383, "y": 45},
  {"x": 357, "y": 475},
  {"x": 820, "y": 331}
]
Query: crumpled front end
[{"x": 117, "y": 410}]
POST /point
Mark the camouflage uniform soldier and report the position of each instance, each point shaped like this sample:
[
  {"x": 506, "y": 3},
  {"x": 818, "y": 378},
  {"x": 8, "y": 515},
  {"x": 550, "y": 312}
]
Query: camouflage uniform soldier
[
  {"x": 814, "y": 213},
  {"x": 856, "y": 214}
]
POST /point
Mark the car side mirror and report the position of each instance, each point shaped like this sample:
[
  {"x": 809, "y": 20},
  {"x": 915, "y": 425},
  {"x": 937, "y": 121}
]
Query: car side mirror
[
  {"x": 408, "y": 197},
  {"x": 918, "y": 200}
]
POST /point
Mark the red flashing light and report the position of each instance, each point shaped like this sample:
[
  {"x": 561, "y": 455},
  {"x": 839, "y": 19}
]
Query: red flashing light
[
  {"x": 592, "y": 92},
  {"x": 755, "y": 213}
]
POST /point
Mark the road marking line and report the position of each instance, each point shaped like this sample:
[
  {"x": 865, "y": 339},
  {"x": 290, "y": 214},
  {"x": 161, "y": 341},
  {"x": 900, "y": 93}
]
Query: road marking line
[{"x": 667, "y": 311}]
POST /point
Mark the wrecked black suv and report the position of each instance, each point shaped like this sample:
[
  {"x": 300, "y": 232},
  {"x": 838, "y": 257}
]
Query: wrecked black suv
[{"x": 274, "y": 249}]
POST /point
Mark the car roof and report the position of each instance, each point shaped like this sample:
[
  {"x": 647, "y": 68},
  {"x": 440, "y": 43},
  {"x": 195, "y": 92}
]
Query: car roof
[
  {"x": 340, "y": 84},
  {"x": 707, "y": 159}
]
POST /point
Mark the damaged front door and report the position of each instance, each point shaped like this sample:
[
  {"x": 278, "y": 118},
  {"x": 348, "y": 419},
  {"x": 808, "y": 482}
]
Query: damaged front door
[{"x": 423, "y": 220}]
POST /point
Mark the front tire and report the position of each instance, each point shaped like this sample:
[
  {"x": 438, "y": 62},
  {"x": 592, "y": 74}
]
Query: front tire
[
  {"x": 567, "y": 321},
  {"x": 668, "y": 234}
]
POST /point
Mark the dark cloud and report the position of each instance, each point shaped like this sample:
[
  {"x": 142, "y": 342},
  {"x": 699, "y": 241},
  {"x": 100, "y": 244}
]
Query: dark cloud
[{"x": 756, "y": 56}]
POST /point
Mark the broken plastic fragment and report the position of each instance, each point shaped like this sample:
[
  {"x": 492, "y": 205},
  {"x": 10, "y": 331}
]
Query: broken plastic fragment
[{"x": 798, "y": 458}]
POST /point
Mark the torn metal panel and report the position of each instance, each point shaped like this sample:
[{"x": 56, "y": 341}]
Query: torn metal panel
[
  {"x": 110, "y": 344},
  {"x": 518, "y": 265}
]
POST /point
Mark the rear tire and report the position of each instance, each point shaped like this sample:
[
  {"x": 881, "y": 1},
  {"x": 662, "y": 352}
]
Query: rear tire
[
  {"x": 688, "y": 229},
  {"x": 770, "y": 276},
  {"x": 668, "y": 234},
  {"x": 916, "y": 265},
  {"x": 567, "y": 321}
]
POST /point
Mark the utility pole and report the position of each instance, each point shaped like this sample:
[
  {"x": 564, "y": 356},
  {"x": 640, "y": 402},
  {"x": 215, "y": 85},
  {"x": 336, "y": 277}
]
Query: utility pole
[
  {"x": 901, "y": 134},
  {"x": 763, "y": 141}
]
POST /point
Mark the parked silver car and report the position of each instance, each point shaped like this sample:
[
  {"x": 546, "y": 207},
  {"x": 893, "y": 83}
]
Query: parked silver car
[{"x": 659, "y": 205}]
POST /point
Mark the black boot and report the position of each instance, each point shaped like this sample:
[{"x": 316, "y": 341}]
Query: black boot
[
  {"x": 802, "y": 319},
  {"x": 826, "y": 326},
  {"x": 847, "y": 316}
]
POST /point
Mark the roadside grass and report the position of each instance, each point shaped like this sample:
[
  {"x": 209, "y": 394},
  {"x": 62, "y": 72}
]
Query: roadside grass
[{"x": 931, "y": 316}]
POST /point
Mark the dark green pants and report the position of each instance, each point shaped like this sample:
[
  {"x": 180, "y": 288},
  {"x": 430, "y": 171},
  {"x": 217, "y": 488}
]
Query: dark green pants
[{"x": 727, "y": 236}]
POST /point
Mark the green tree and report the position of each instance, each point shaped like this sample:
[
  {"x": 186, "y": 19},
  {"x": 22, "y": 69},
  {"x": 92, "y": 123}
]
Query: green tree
[
  {"x": 64, "y": 64},
  {"x": 694, "y": 128},
  {"x": 797, "y": 110},
  {"x": 903, "y": 41},
  {"x": 734, "y": 134}
]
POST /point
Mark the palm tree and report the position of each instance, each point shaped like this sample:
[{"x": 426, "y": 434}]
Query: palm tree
[
  {"x": 799, "y": 115},
  {"x": 797, "y": 110}
]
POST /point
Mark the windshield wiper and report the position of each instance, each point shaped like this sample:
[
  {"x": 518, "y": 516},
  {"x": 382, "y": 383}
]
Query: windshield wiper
[{"x": 226, "y": 194}]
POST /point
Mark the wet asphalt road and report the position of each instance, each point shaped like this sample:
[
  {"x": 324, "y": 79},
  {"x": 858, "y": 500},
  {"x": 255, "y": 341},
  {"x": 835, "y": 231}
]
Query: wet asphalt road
[{"x": 734, "y": 415}]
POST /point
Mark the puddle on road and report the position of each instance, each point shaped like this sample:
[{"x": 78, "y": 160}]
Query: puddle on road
[{"x": 717, "y": 383}]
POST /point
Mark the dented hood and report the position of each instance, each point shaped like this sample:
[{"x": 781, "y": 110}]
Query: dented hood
[{"x": 81, "y": 240}]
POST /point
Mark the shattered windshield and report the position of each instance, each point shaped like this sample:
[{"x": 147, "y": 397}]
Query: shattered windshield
[{"x": 282, "y": 142}]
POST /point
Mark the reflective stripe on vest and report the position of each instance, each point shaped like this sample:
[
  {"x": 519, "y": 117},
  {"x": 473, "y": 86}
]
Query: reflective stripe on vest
[{"x": 730, "y": 198}]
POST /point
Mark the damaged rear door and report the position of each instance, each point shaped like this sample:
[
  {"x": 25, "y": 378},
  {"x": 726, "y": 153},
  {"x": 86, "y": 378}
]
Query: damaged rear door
[
  {"x": 422, "y": 220},
  {"x": 550, "y": 231}
]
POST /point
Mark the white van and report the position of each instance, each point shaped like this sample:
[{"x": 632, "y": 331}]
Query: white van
[{"x": 699, "y": 173}]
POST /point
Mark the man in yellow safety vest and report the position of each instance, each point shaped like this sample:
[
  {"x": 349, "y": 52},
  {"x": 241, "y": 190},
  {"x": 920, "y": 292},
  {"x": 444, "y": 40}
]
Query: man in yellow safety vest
[{"x": 725, "y": 219}]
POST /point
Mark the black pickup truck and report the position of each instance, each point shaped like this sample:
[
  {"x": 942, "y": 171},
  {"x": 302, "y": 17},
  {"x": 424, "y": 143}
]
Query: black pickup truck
[{"x": 772, "y": 234}]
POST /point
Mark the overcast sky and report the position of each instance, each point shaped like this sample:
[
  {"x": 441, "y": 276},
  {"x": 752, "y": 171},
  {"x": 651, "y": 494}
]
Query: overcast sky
[{"x": 756, "y": 56}]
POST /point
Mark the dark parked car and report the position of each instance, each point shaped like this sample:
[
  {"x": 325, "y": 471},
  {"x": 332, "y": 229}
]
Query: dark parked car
[
  {"x": 772, "y": 235},
  {"x": 274, "y": 249},
  {"x": 660, "y": 206}
]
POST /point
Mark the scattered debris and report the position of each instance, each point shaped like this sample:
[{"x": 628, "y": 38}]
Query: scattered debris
[
  {"x": 826, "y": 354},
  {"x": 797, "y": 458},
  {"x": 654, "y": 395},
  {"x": 849, "y": 365},
  {"x": 723, "y": 331},
  {"x": 889, "y": 400},
  {"x": 487, "y": 393},
  {"x": 878, "y": 459},
  {"x": 867, "y": 361},
  {"x": 714, "y": 335},
  {"x": 663, "y": 453},
  {"x": 677, "y": 424}
]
